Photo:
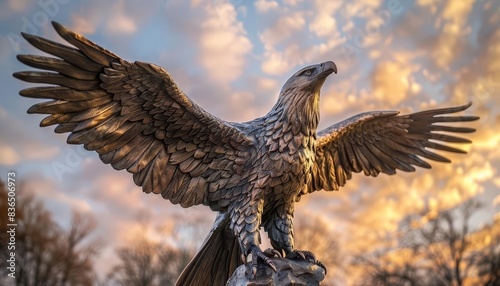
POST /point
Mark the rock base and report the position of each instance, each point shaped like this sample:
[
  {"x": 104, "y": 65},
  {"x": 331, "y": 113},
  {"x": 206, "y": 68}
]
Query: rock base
[{"x": 288, "y": 273}]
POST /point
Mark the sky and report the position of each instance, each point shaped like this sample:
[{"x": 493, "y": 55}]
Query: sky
[{"x": 231, "y": 57}]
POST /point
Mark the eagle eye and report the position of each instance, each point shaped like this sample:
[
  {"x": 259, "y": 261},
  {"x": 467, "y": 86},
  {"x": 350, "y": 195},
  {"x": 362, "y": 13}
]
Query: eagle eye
[{"x": 307, "y": 72}]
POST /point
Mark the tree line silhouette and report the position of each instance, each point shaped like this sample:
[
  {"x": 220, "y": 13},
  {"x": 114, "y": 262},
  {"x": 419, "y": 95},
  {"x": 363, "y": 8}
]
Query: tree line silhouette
[
  {"x": 438, "y": 248},
  {"x": 433, "y": 248}
]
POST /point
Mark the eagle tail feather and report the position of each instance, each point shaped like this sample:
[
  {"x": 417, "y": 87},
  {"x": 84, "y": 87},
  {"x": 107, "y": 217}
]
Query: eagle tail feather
[{"x": 217, "y": 259}]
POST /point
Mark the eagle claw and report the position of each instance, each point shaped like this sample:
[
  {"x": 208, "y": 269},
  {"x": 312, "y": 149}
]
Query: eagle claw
[
  {"x": 257, "y": 254},
  {"x": 271, "y": 252},
  {"x": 305, "y": 255}
]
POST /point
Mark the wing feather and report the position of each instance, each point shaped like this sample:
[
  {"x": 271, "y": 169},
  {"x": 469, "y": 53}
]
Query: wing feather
[
  {"x": 70, "y": 55},
  {"x": 57, "y": 79},
  {"x": 56, "y": 65},
  {"x": 136, "y": 118},
  {"x": 65, "y": 127},
  {"x": 384, "y": 142},
  {"x": 55, "y": 119}
]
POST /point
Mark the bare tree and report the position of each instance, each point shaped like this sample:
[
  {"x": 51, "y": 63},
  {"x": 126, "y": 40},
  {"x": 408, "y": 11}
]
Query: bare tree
[
  {"x": 381, "y": 271},
  {"x": 46, "y": 254},
  {"x": 148, "y": 263},
  {"x": 445, "y": 244},
  {"x": 488, "y": 265},
  {"x": 139, "y": 264},
  {"x": 77, "y": 253},
  {"x": 144, "y": 262},
  {"x": 316, "y": 235},
  {"x": 439, "y": 252}
]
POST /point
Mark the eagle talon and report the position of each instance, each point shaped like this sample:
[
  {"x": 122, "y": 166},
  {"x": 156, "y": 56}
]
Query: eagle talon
[
  {"x": 271, "y": 252},
  {"x": 257, "y": 254},
  {"x": 296, "y": 255},
  {"x": 305, "y": 255},
  {"x": 309, "y": 256},
  {"x": 317, "y": 262}
]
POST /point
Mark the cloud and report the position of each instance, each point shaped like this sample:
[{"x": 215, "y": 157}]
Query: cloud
[
  {"x": 288, "y": 43},
  {"x": 3, "y": 113},
  {"x": 60, "y": 203},
  {"x": 391, "y": 81},
  {"x": 82, "y": 25},
  {"x": 448, "y": 32},
  {"x": 8, "y": 155},
  {"x": 263, "y": 6},
  {"x": 487, "y": 139},
  {"x": 278, "y": 61},
  {"x": 292, "y": 2},
  {"x": 33, "y": 151},
  {"x": 119, "y": 22},
  {"x": 268, "y": 84},
  {"x": 223, "y": 43},
  {"x": 457, "y": 12},
  {"x": 18, "y": 6},
  {"x": 324, "y": 23},
  {"x": 20, "y": 143},
  {"x": 282, "y": 30},
  {"x": 496, "y": 200}
]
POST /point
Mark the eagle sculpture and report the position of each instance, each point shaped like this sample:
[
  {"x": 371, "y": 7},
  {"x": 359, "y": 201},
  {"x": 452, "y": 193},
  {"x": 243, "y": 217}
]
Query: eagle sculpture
[{"x": 136, "y": 117}]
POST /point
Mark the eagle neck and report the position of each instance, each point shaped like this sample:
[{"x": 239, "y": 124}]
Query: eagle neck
[{"x": 298, "y": 110}]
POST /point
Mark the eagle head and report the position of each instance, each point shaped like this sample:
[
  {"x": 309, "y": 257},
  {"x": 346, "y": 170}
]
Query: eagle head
[{"x": 310, "y": 78}]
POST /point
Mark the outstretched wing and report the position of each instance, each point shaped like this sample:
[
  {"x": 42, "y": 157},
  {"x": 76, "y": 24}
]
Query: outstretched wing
[
  {"x": 383, "y": 142},
  {"x": 136, "y": 118}
]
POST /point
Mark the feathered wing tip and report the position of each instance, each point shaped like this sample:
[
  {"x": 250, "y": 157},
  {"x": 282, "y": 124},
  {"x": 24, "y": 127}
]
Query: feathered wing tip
[
  {"x": 432, "y": 116},
  {"x": 126, "y": 112},
  {"x": 217, "y": 259},
  {"x": 428, "y": 122},
  {"x": 384, "y": 142}
]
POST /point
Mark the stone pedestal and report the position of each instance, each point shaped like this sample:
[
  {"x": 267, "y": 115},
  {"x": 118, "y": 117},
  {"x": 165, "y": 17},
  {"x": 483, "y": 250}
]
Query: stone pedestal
[{"x": 288, "y": 273}]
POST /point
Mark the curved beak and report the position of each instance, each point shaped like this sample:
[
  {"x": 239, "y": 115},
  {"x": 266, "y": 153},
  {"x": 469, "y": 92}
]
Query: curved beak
[{"x": 327, "y": 68}]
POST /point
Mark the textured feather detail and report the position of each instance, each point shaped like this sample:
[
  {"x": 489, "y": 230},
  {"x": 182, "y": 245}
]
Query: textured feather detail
[
  {"x": 99, "y": 112},
  {"x": 91, "y": 50},
  {"x": 383, "y": 142},
  {"x": 134, "y": 116},
  {"x": 54, "y": 78},
  {"x": 65, "y": 127},
  {"x": 60, "y": 106},
  {"x": 70, "y": 55},
  {"x": 62, "y": 93},
  {"x": 55, "y": 119},
  {"x": 57, "y": 65},
  {"x": 217, "y": 259}
]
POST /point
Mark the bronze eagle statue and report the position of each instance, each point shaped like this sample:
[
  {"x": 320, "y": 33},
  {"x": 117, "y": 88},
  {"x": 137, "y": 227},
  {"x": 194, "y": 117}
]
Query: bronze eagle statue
[{"x": 136, "y": 117}]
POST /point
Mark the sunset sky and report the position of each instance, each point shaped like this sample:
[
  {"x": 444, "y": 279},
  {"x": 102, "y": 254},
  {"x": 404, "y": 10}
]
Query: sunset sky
[{"x": 231, "y": 57}]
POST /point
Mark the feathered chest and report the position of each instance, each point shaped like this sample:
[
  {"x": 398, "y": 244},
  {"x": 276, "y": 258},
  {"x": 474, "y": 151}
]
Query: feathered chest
[
  {"x": 285, "y": 161},
  {"x": 285, "y": 152}
]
